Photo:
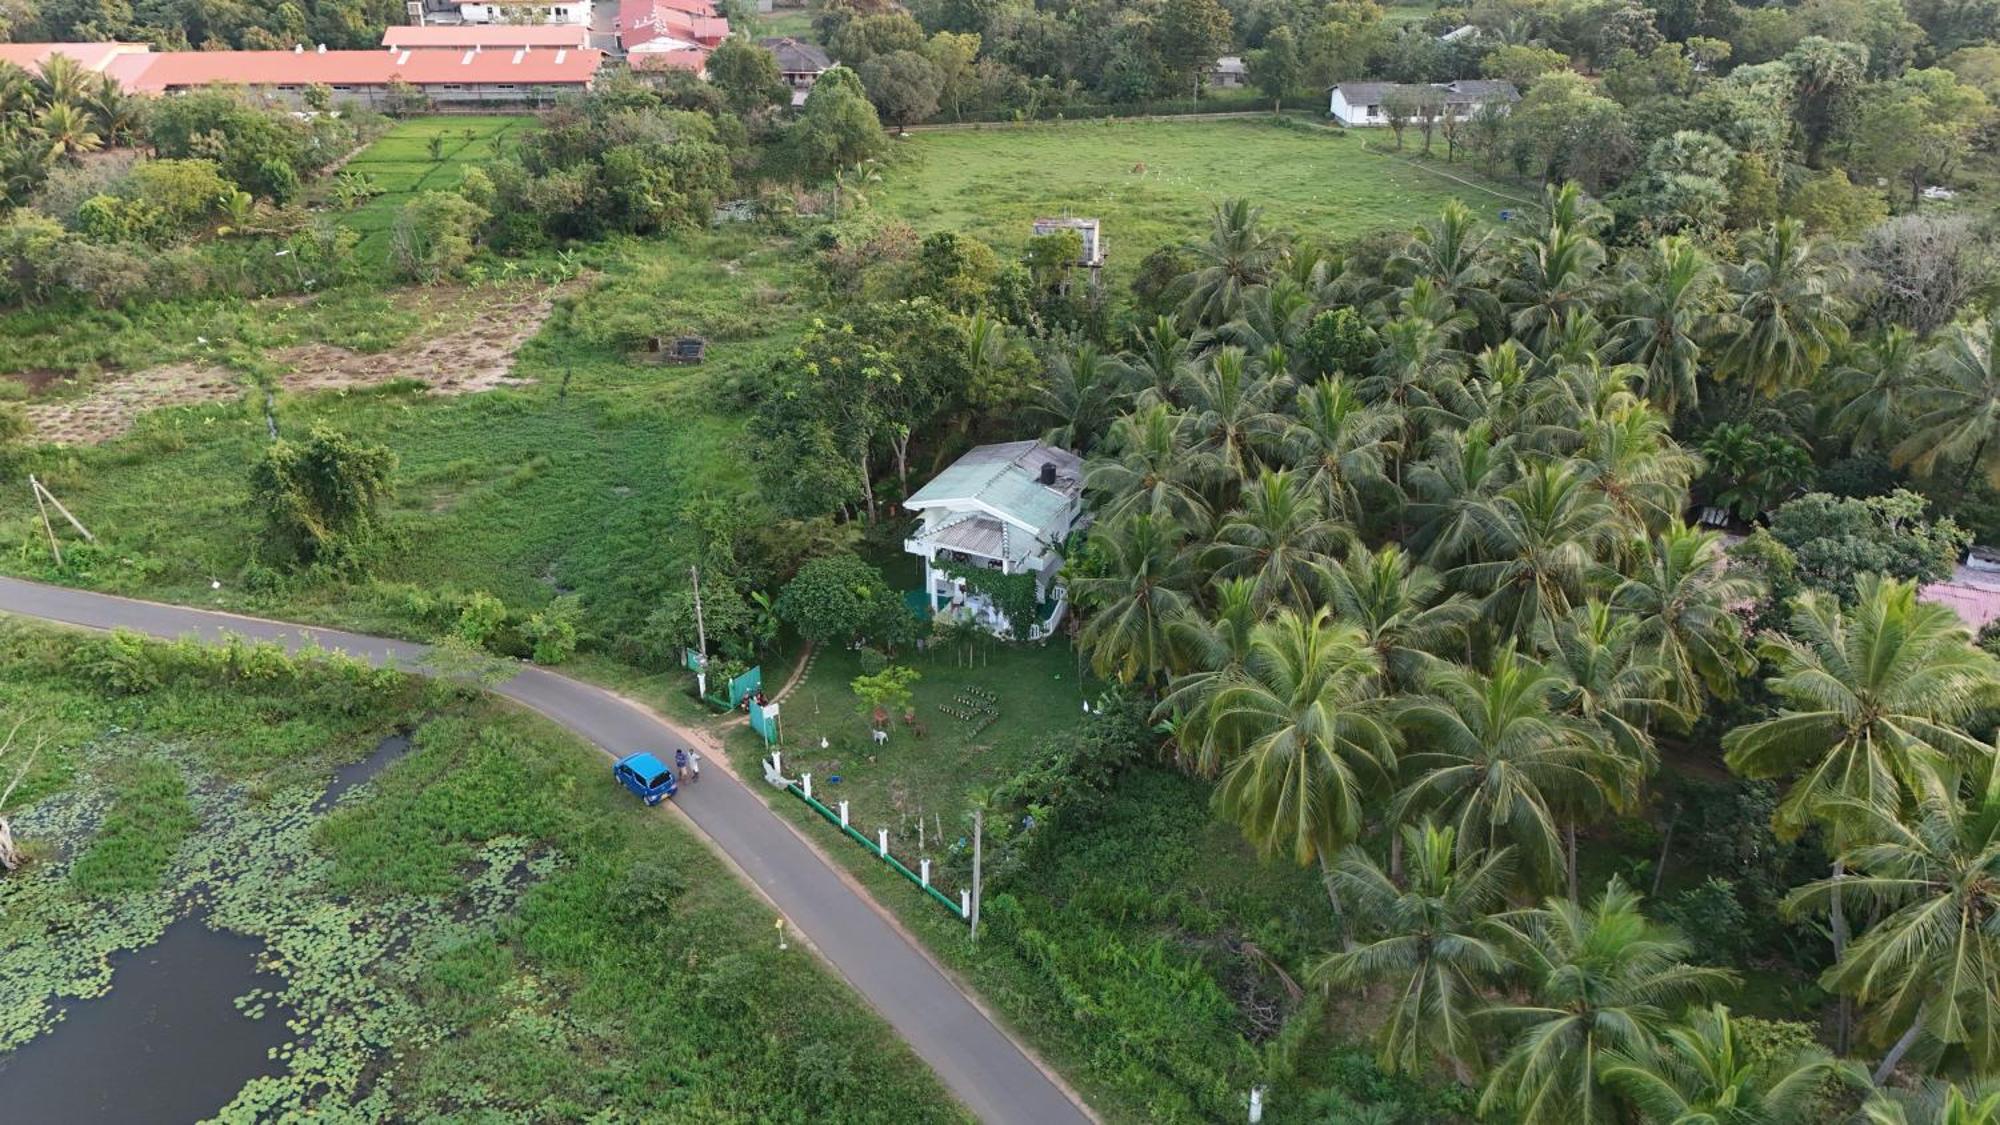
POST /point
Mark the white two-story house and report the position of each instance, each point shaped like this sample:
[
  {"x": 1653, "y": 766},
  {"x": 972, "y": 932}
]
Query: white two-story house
[{"x": 1002, "y": 507}]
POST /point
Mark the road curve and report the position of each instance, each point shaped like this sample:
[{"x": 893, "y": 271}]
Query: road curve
[{"x": 990, "y": 1073}]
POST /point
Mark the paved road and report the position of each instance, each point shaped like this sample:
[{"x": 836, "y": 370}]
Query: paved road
[{"x": 988, "y": 1071}]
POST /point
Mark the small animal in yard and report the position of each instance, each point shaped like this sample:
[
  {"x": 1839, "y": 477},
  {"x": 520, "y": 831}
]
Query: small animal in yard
[
  {"x": 920, "y": 729},
  {"x": 1139, "y": 169}
]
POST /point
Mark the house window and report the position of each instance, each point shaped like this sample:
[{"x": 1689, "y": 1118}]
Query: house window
[{"x": 1374, "y": 111}]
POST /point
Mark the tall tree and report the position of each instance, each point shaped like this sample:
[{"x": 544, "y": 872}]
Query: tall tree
[
  {"x": 1706, "y": 1073},
  {"x": 1955, "y": 407},
  {"x": 1150, "y": 465},
  {"x": 1192, "y": 35},
  {"x": 1429, "y": 938},
  {"x": 1276, "y": 68},
  {"x": 1146, "y": 581},
  {"x": 1340, "y": 443},
  {"x": 1494, "y": 755},
  {"x": 1309, "y": 735},
  {"x": 1401, "y": 609},
  {"x": 1786, "y": 312},
  {"x": 1685, "y": 599},
  {"x": 1279, "y": 538},
  {"x": 1536, "y": 547},
  {"x": 1928, "y": 968},
  {"x": 1872, "y": 702},
  {"x": 1668, "y": 303},
  {"x": 1604, "y": 983},
  {"x": 748, "y": 77},
  {"x": 1238, "y": 253}
]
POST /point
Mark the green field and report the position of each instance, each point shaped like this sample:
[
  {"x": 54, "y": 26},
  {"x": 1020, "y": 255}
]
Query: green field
[
  {"x": 790, "y": 23},
  {"x": 1396, "y": 15},
  {"x": 1154, "y": 182},
  {"x": 399, "y": 165}
]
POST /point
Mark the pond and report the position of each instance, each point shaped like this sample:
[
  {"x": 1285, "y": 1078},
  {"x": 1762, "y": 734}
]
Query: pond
[{"x": 167, "y": 1043}]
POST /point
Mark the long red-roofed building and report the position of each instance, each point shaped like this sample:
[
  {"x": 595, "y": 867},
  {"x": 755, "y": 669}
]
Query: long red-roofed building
[
  {"x": 522, "y": 76},
  {"x": 93, "y": 57}
]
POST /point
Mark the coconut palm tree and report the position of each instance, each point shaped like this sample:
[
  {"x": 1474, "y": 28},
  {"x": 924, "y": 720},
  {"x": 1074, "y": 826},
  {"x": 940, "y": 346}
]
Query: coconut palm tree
[
  {"x": 1429, "y": 938},
  {"x": 61, "y": 79},
  {"x": 1278, "y": 538},
  {"x": 1307, "y": 737},
  {"x": 1669, "y": 301},
  {"x": 1873, "y": 390},
  {"x": 1495, "y": 755},
  {"x": 1208, "y": 650},
  {"x": 1872, "y": 701},
  {"x": 1536, "y": 547},
  {"x": 1685, "y": 599},
  {"x": 1395, "y": 603},
  {"x": 1162, "y": 362},
  {"x": 1604, "y": 984},
  {"x": 1955, "y": 407},
  {"x": 1417, "y": 376},
  {"x": 1083, "y": 393},
  {"x": 1630, "y": 456},
  {"x": 1232, "y": 411},
  {"x": 119, "y": 115},
  {"x": 1935, "y": 1103},
  {"x": 1451, "y": 489},
  {"x": 1611, "y": 686},
  {"x": 1454, "y": 254},
  {"x": 1148, "y": 463},
  {"x": 1147, "y": 582},
  {"x": 1238, "y": 253},
  {"x": 67, "y": 129},
  {"x": 1703, "y": 1073},
  {"x": 1339, "y": 443},
  {"x": 1928, "y": 970},
  {"x": 1556, "y": 272},
  {"x": 1273, "y": 318},
  {"x": 1785, "y": 309}
]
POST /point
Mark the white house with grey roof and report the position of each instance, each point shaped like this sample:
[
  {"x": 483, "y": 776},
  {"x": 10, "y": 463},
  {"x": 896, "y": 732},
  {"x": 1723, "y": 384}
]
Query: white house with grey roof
[
  {"x": 1360, "y": 103},
  {"x": 1003, "y": 507}
]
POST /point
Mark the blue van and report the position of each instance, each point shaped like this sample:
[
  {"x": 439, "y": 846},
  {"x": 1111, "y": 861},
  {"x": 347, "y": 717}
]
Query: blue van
[{"x": 647, "y": 776}]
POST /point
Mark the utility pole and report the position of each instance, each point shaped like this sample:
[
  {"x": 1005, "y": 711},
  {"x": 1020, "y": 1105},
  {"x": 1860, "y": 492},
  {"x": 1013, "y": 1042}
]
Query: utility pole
[
  {"x": 978, "y": 835},
  {"x": 700, "y": 636}
]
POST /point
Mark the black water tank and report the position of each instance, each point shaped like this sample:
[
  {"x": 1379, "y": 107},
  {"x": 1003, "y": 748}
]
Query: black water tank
[{"x": 1049, "y": 473}]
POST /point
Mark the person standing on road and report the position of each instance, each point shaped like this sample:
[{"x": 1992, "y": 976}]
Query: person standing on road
[
  {"x": 694, "y": 765},
  {"x": 681, "y": 765}
]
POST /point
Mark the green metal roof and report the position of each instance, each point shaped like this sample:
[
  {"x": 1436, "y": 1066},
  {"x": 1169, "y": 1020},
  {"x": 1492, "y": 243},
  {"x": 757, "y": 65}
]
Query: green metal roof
[{"x": 1007, "y": 479}]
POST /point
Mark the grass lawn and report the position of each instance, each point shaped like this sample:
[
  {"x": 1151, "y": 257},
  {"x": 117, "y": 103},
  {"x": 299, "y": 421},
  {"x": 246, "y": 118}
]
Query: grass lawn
[
  {"x": 789, "y": 23},
  {"x": 534, "y": 944},
  {"x": 886, "y": 787},
  {"x": 400, "y": 165},
  {"x": 1154, "y": 182},
  {"x": 1395, "y": 15}
]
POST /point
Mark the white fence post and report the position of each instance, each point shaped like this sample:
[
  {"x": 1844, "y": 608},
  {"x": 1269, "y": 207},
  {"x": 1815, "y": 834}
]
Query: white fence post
[
  {"x": 777, "y": 763},
  {"x": 843, "y": 814},
  {"x": 965, "y": 904},
  {"x": 925, "y": 866},
  {"x": 882, "y": 841},
  {"x": 808, "y": 778}
]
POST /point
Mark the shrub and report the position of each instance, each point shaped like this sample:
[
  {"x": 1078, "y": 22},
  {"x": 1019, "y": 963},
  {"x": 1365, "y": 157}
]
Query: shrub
[
  {"x": 553, "y": 631},
  {"x": 319, "y": 497},
  {"x": 480, "y": 618},
  {"x": 434, "y": 236}
]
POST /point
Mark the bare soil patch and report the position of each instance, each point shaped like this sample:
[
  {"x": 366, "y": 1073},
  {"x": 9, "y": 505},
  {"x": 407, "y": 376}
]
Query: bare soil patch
[{"x": 467, "y": 345}]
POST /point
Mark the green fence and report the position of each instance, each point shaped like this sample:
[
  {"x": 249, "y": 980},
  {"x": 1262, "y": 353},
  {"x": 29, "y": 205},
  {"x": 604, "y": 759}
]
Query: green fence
[{"x": 916, "y": 880}]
